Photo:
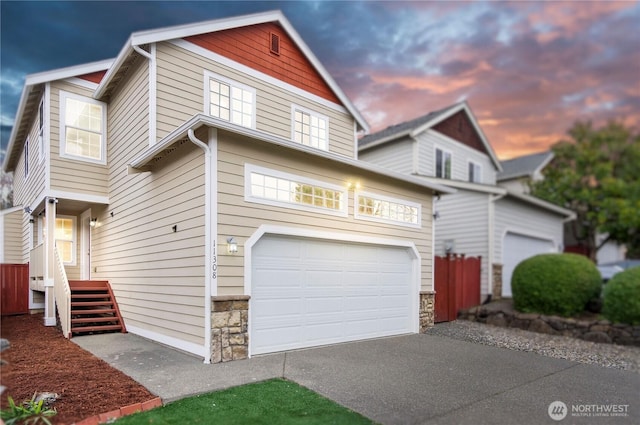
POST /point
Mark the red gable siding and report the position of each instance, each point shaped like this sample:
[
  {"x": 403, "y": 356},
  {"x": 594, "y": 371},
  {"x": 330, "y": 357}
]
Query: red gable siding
[
  {"x": 459, "y": 127},
  {"x": 94, "y": 77},
  {"x": 250, "y": 46}
]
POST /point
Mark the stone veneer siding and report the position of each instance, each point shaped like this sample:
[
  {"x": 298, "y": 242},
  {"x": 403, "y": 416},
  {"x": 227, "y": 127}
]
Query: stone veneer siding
[
  {"x": 229, "y": 328},
  {"x": 497, "y": 281},
  {"x": 427, "y": 310}
]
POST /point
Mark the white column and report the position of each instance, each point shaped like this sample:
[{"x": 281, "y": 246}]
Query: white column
[{"x": 49, "y": 263}]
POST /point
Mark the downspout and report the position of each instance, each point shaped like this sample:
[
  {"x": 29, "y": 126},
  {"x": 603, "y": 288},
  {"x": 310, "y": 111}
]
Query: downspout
[
  {"x": 491, "y": 240},
  {"x": 207, "y": 243}
]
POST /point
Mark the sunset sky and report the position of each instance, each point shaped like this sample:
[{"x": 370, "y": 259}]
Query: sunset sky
[{"x": 529, "y": 70}]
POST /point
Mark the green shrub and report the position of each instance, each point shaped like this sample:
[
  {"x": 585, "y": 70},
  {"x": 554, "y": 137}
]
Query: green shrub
[
  {"x": 622, "y": 297},
  {"x": 559, "y": 284}
]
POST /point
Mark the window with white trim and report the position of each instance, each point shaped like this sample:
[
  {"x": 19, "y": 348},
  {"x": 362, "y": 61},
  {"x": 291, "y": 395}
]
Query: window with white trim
[
  {"x": 230, "y": 101},
  {"x": 26, "y": 158},
  {"x": 65, "y": 235},
  {"x": 310, "y": 128},
  {"x": 475, "y": 172},
  {"x": 384, "y": 209},
  {"x": 273, "y": 187},
  {"x": 83, "y": 128},
  {"x": 41, "y": 130},
  {"x": 443, "y": 164}
]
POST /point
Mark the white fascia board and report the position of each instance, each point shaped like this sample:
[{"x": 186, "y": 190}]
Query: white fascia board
[
  {"x": 200, "y": 119},
  {"x": 544, "y": 163},
  {"x": 569, "y": 215},
  {"x": 71, "y": 71},
  {"x": 126, "y": 50},
  {"x": 14, "y": 130},
  {"x": 458, "y": 184}
]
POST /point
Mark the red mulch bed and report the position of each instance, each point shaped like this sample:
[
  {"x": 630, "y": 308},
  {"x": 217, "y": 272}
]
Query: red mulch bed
[{"x": 40, "y": 359}]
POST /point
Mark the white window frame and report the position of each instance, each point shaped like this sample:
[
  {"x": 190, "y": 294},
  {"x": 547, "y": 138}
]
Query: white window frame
[
  {"x": 477, "y": 172},
  {"x": 402, "y": 202},
  {"x": 41, "y": 131},
  {"x": 74, "y": 239},
  {"x": 250, "y": 197},
  {"x": 26, "y": 158},
  {"x": 444, "y": 169},
  {"x": 297, "y": 108},
  {"x": 63, "y": 126},
  {"x": 208, "y": 76}
]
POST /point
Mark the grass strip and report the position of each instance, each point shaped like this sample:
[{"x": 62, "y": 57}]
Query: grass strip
[{"x": 276, "y": 401}]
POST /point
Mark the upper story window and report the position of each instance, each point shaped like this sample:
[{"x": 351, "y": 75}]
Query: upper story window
[
  {"x": 41, "y": 130},
  {"x": 271, "y": 187},
  {"x": 475, "y": 172},
  {"x": 230, "y": 101},
  {"x": 26, "y": 158},
  {"x": 83, "y": 128},
  {"x": 384, "y": 209},
  {"x": 310, "y": 128},
  {"x": 443, "y": 164}
]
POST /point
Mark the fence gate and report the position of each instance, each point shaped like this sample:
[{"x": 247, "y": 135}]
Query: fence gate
[
  {"x": 457, "y": 285},
  {"x": 14, "y": 289}
]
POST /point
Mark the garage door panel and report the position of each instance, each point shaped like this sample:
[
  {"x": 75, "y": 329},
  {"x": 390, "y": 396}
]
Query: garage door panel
[
  {"x": 517, "y": 248},
  {"x": 344, "y": 291}
]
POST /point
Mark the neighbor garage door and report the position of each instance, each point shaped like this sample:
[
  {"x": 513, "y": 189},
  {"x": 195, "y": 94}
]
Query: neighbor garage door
[
  {"x": 517, "y": 248},
  {"x": 307, "y": 292}
]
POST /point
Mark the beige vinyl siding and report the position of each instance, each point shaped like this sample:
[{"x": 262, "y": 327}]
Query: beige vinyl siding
[
  {"x": 27, "y": 190},
  {"x": 181, "y": 95},
  {"x": 240, "y": 219},
  {"x": 157, "y": 274},
  {"x": 67, "y": 174},
  {"x": 464, "y": 218},
  {"x": 12, "y": 236},
  {"x": 396, "y": 155}
]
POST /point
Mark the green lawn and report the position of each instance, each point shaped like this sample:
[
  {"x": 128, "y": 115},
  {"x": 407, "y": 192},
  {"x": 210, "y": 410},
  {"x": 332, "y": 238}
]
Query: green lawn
[{"x": 270, "y": 402}]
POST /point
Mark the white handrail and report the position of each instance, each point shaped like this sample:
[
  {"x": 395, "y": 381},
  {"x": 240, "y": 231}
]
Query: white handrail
[
  {"x": 36, "y": 263},
  {"x": 62, "y": 293}
]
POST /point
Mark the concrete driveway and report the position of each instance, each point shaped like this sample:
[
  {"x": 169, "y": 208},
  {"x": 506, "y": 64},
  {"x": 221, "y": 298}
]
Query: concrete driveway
[{"x": 413, "y": 379}]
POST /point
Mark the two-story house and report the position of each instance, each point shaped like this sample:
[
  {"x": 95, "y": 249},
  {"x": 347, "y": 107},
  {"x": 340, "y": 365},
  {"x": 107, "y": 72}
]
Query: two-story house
[
  {"x": 209, "y": 173},
  {"x": 519, "y": 173},
  {"x": 448, "y": 147}
]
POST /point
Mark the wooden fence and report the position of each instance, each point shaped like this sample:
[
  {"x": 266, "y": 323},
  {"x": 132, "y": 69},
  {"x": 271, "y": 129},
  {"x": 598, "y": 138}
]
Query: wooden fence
[
  {"x": 457, "y": 285},
  {"x": 14, "y": 289}
]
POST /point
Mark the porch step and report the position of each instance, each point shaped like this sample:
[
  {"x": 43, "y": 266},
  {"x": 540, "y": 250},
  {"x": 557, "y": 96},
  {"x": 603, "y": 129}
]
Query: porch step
[{"x": 94, "y": 308}]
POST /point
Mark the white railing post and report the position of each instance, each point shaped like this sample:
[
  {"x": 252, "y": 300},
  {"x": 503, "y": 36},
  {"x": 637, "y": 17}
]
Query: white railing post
[{"x": 62, "y": 294}]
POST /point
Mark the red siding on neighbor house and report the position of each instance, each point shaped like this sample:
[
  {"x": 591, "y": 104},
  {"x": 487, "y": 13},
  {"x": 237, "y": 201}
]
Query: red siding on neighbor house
[
  {"x": 250, "y": 46},
  {"x": 94, "y": 77},
  {"x": 459, "y": 127}
]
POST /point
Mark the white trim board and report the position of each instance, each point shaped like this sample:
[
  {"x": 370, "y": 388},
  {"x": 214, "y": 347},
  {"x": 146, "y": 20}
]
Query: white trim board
[{"x": 179, "y": 344}]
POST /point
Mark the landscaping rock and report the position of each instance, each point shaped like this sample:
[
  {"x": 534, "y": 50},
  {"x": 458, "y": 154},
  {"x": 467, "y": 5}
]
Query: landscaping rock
[
  {"x": 599, "y": 337},
  {"x": 497, "y": 320},
  {"x": 540, "y": 326}
]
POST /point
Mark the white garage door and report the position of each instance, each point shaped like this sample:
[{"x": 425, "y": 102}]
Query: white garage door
[
  {"x": 517, "y": 248},
  {"x": 307, "y": 292}
]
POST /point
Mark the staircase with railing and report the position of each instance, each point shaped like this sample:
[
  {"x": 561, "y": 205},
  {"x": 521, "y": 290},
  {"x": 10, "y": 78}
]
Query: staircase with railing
[
  {"x": 62, "y": 294},
  {"x": 94, "y": 308}
]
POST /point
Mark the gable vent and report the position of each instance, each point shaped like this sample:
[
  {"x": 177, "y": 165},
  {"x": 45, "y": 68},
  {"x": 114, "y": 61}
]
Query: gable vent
[{"x": 274, "y": 43}]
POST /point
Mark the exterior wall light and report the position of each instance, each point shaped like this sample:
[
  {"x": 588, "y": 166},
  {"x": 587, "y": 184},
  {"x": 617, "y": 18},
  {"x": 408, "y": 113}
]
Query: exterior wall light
[
  {"x": 93, "y": 222},
  {"x": 232, "y": 245}
]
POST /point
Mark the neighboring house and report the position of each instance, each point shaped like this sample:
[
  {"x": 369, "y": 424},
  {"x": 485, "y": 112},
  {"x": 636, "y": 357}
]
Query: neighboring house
[
  {"x": 209, "y": 173},
  {"x": 517, "y": 176},
  {"x": 448, "y": 147}
]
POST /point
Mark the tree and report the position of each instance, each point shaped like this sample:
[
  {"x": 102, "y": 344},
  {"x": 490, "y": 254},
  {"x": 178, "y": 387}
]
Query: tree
[
  {"x": 597, "y": 175},
  {"x": 6, "y": 190}
]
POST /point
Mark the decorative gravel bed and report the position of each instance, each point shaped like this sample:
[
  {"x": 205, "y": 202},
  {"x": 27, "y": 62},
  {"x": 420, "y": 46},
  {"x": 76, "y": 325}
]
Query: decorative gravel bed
[{"x": 561, "y": 347}]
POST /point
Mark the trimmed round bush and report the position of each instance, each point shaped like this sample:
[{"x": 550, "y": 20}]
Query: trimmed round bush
[
  {"x": 622, "y": 297},
  {"x": 560, "y": 284}
]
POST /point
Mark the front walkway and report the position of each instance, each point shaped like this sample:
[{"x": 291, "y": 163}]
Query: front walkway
[{"x": 425, "y": 379}]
